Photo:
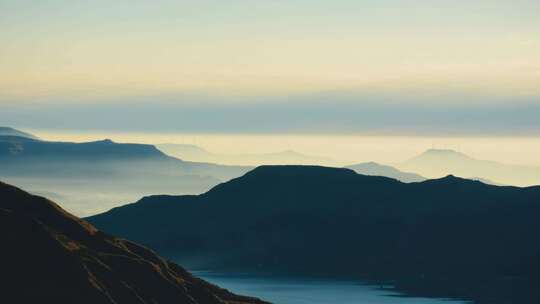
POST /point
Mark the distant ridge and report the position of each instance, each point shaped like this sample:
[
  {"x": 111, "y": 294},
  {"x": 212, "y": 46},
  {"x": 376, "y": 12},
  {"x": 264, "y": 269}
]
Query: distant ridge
[
  {"x": 50, "y": 256},
  {"x": 373, "y": 168},
  {"x": 119, "y": 171},
  {"x": 439, "y": 237},
  {"x": 286, "y": 157},
  {"x": 435, "y": 163},
  {"x": 66, "y": 151},
  {"x": 7, "y": 131},
  {"x": 447, "y": 153}
]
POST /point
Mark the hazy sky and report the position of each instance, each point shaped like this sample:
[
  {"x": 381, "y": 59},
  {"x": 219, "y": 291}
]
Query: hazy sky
[{"x": 321, "y": 66}]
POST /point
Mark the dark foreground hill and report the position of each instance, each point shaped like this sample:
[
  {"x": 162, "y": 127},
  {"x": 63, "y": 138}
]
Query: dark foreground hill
[
  {"x": 50, "y": 256},
  {"x": 446, "y": 237}
]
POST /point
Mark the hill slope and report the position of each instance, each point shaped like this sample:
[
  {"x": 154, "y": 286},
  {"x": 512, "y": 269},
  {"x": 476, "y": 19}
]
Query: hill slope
[
  {"x": 334, "y": 222},
  {"x": 50, "y": 256}
]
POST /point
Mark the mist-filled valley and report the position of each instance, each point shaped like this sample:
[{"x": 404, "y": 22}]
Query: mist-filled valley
[
  {"x": 90, "y": 173},
  {"x": 93, "y": 177}
]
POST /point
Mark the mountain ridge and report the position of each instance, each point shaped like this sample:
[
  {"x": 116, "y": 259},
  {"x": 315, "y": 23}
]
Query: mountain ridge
[
  {"x": 8, "y": 131},
  {"x": 122, "y": 171},
  {"x": 312, "y": 220},
  {"x": 373, "y": 168},
  {"x": 434, "y": 163},
  {"x": 197, "y": 153}
]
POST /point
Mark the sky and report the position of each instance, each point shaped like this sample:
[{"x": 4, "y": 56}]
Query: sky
[{"x": 401, "y": 67}]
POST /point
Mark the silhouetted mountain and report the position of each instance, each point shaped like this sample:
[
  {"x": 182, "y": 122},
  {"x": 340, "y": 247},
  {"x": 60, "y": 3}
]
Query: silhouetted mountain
[
  {"x": 485, "y": 181},
  {"x": 7, "y": 131},
  {"x": 436, "y": 163},
  {"x": 372, "y": 168},
  {"x": 50, "y": 256},
  {"x": 196, "y": 153},
  {"x": 100, "y": 150},
  {"x": 186, "y": 151},
  {"x": 117, "y": 172},
  {"x": 19, "y": 149},
  {"x": 446, "y": 237}
]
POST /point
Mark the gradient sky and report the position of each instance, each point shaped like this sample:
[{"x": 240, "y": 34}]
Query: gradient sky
[{"x": 394, "y": 61}]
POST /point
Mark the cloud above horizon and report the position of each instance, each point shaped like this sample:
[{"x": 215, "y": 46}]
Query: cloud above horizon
[
  {"x": 371, "y": 67},
  {"x": 329, "y": 113},
  {"x": 98, "y": 50}
]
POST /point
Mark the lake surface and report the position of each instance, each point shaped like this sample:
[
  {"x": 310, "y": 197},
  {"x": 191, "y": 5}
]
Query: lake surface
[{"x": 311, "y": 291}]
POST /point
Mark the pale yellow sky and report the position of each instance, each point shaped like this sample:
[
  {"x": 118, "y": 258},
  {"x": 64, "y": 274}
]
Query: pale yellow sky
[
  {"x": 92, "y": 52},
  {"x": 101, "y": 68}
]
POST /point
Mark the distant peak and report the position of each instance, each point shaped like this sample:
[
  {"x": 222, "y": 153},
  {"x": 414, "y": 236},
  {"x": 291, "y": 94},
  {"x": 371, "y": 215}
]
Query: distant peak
[
  {"x": 452, "y": 179},
  {"x": 371, "y": 163},
  {"x": 442, "y": 151},
  {"x": 367, "y": 165},
  {"x": 105, "y": 141}
]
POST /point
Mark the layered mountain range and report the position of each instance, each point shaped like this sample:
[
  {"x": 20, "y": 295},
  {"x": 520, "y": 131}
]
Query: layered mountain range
[
  {"x": 196, "y": 153},
  {"x": 376, "y": 169},
  {"x": 450, "y": 234},
  {"x": 440, "y": 162},
  {"x": 96, "y": 176}
]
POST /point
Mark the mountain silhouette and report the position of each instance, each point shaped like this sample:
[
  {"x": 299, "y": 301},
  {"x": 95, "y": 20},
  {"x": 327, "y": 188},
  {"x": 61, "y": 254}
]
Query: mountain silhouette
[
  {"x": 17, "y": 150},
  {"x": 372, "y": 168},
  {"x": 7, "y": 131},
  {"x": 119, "y": 171},
  {"x": 196, "y": 153},
  {"x": 435, "y": 163},
  {"x": 446, "y": 237},
  {"x": 102, "y": 149},
  {"x": 51, "y": 256}
]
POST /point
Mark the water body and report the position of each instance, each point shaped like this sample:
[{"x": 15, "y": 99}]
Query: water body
[{"x": 311, "y": 291}]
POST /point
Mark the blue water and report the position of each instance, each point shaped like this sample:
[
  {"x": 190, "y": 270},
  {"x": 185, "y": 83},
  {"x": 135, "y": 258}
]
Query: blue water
[{"x": 311, "y": 291}]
